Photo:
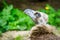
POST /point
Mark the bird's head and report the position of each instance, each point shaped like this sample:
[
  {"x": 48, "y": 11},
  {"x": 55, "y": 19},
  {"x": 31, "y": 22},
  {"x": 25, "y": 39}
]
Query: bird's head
[{"x": 38, "y": 17}]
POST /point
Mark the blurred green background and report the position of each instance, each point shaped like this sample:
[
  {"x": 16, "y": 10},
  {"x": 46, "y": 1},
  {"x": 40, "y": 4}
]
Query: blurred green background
[{"x": 13, "y": 18}]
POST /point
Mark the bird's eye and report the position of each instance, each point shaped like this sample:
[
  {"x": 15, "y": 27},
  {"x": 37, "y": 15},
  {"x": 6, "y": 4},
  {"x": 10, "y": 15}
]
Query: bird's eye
[{"x": 37, "y": 14}]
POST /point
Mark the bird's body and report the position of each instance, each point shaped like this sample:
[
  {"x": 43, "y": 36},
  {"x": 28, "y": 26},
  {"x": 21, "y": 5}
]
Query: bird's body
[{"x": 41, "y": 20}]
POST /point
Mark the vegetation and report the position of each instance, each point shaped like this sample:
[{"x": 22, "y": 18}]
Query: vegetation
[
  {"x": 14, "y": 19},
  {"x": 19, "y": 38}
]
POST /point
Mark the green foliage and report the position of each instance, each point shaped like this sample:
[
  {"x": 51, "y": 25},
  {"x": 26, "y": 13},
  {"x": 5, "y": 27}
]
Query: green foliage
[
  {"x": 14, "y": 19},
  {"x": 54, "y": 15},
  {"x": 19, "y": 38}
]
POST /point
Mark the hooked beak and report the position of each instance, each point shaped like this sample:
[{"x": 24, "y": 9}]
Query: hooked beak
[{"x": 30, "y": 13}]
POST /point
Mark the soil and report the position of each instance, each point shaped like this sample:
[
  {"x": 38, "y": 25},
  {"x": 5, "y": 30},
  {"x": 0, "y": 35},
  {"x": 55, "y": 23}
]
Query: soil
[{"x": 34, "y": 4}]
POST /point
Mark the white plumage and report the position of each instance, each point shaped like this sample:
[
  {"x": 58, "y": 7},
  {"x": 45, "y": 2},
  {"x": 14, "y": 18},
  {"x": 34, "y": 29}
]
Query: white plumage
[{"x": 42, "y": 19}]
